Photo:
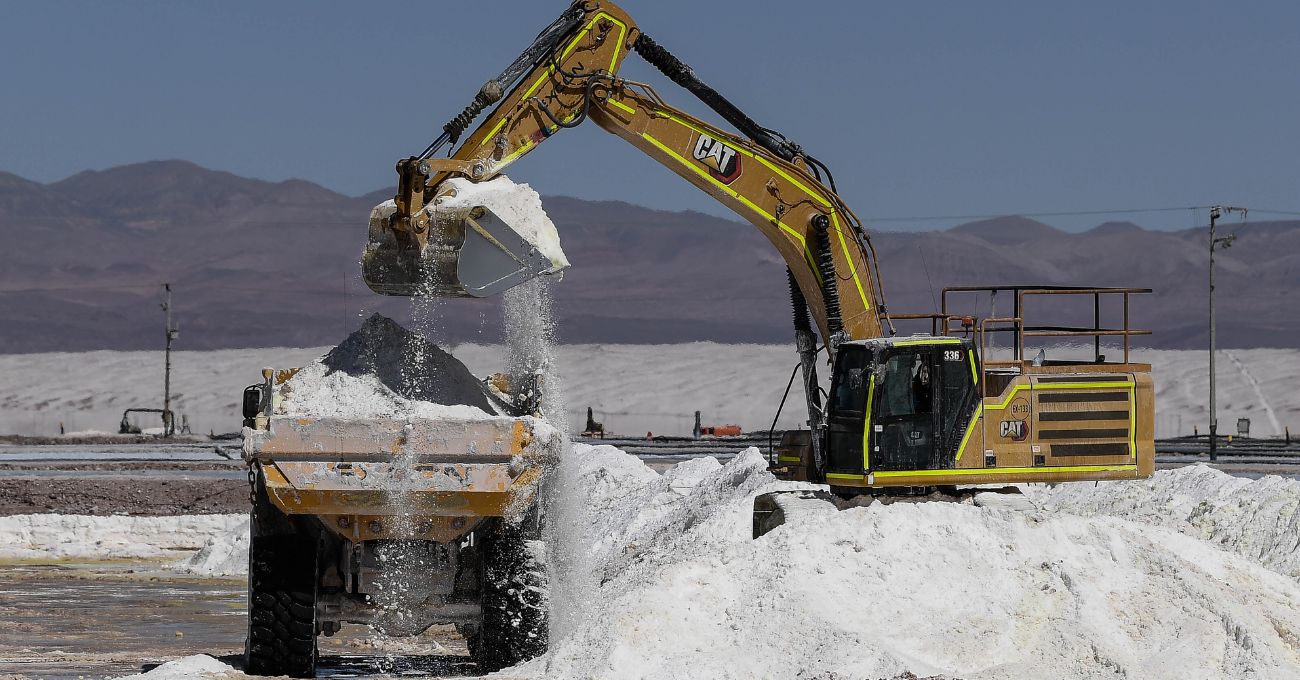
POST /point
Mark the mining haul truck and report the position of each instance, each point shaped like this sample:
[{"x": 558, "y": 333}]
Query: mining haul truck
[{"x": 397, "y": 523}]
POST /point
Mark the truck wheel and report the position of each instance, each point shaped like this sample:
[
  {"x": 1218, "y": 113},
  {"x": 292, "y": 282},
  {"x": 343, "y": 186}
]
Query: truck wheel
[
  {"x": 282, "y": 580},
  {"x": 514, "y": 598}
]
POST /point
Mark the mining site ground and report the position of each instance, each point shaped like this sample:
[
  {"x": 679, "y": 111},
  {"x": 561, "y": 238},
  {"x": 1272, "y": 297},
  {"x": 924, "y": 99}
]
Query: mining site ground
[
  {"x": 72, "y": 620},
  {"x": 97, "y": 619}
]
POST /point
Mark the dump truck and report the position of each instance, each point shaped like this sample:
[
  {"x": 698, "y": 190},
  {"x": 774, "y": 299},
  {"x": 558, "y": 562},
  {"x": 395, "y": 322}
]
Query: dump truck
[{"x": 397, "y": 522}]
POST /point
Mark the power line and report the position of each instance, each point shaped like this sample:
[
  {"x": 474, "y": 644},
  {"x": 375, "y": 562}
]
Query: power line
[
  {"x": 1065, "y": 213},
  {"x": 1069, "y": 213}
]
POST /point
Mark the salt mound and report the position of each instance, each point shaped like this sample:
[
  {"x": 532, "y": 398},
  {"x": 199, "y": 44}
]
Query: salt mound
[
  {"x": 196, "y": 666},
  {"x": 516, "y": 204},
  {"x": 225, "y": 554},
  {"x": 71, "y": 537},
  {"x": 1259, "y": 519},
  {"x": 673, "y": 587},
  {"x": 384, "y": 370}
]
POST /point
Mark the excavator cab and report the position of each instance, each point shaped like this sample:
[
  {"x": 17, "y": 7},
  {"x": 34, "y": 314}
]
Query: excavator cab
[{"x": 900, "y": 405}]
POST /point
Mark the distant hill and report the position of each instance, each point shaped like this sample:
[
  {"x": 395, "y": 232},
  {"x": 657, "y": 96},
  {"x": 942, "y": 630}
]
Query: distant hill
[{"x": 257, "y": 264}]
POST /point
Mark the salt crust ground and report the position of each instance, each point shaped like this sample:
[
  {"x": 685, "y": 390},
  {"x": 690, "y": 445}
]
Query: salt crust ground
[
  {"x": 207, "y": 539},
  {"x": 662, "y": 580}
]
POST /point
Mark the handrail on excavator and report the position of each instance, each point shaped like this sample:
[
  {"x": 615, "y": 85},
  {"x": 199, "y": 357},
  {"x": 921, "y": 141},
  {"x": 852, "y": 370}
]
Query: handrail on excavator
[{"x": 1022, "y": 331}]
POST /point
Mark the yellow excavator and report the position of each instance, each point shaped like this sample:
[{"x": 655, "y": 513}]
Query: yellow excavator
[{"x": 903, "y": 413}]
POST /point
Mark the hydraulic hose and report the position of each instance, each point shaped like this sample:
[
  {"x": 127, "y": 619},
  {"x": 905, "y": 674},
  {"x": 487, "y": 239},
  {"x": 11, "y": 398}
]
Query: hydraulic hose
[
  {"x": 683, "y": 75},
  {"x": 799, "y": 303},
  {"x": 826, "y": 266},
  {"x": 493, "y": 90}
]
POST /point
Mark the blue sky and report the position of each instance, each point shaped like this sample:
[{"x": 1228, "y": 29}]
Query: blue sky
[{"x": 920, "y": 108}]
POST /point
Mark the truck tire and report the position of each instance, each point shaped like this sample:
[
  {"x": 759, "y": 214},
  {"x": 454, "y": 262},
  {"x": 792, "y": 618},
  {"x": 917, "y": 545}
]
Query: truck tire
[
  {"x": 282, "y": 579},
  {"x": 514, "y": 628}
]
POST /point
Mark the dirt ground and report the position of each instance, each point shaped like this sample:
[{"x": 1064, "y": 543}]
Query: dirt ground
[{"x": 94, "y": 493}]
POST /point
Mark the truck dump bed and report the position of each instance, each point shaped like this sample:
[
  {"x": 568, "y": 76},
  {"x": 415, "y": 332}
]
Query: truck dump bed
[
  {"x": 355, "y": 473},
  {"x": 389, "y": 437}
]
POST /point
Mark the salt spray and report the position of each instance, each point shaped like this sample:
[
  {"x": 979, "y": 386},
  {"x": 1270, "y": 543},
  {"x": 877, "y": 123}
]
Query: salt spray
[
  {"x": 404, "y": 563},
  {"x": 530, "y": 338}
]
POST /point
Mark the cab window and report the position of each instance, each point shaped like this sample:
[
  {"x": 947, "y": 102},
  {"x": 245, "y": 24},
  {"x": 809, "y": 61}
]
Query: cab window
[
  {"x": 851, "y": 380},
  {"x": 908, "y": 386}
]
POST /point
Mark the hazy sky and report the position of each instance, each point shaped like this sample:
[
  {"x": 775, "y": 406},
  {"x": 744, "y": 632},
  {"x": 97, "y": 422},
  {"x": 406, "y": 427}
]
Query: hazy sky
[{"x": 920, "y": 108}]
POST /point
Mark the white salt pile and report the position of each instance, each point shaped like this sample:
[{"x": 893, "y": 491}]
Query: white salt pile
[
  {"x": 73, "y": 537},
  {"x": 316, "y": 391},
  {"x": 677, "y": 589},
  {"x": 1259, "y": 519},
  {"x": 196, "y": 667},
  {"x": 516, "y": 204},
  {"x": 223, "y": 554},
  {"x": 383, "y": 370}
]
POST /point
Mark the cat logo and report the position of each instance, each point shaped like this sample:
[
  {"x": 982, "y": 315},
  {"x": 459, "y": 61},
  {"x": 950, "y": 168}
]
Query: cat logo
[
  {"x": 1015, "y": 430},
  {"x": 722, "y": 161}
]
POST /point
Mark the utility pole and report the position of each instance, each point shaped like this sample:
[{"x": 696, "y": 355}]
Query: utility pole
[
  {"x": 1215, "y": 242},
  {"x": 169, "y": 420}
]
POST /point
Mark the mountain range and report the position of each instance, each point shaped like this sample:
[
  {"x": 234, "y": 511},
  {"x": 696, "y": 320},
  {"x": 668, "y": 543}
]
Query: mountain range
[{"x": 255, "y": 264}]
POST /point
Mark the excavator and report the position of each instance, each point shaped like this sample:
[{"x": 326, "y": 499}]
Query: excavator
[{"x": 903, "y": 413}]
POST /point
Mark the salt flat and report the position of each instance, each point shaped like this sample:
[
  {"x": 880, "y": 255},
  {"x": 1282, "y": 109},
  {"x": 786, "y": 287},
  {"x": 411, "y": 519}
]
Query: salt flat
[{"x": 632, "y": 388}]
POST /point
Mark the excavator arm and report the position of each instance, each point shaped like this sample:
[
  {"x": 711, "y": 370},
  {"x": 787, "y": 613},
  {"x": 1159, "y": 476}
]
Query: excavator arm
[{"x": 766, "y": 179}]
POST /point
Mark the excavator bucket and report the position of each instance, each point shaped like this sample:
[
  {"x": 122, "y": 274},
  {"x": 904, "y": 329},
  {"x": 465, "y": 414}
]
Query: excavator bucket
[{"x": 483, "y": 238}]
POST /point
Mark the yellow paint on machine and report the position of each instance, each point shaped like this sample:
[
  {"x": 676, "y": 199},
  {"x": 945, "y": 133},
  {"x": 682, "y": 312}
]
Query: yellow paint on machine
[
  {"x": 1123, "y": 385},
  {"x": 834, "y": 214},
  {"x": 970, "y": 429},
  {"x": 929, "y": 341},
  {"x": 622, "y": 34},
  {"x": 1060, "y": 386},
  {"x": 732, "y": 193},
  {"x": 853, "y": 269},
  {"x": 1002, "y": 471},
  {"x": 621, "y": 105},
  {"x": 982, "y": 475},
  {"x": 866, "y": 424}
]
